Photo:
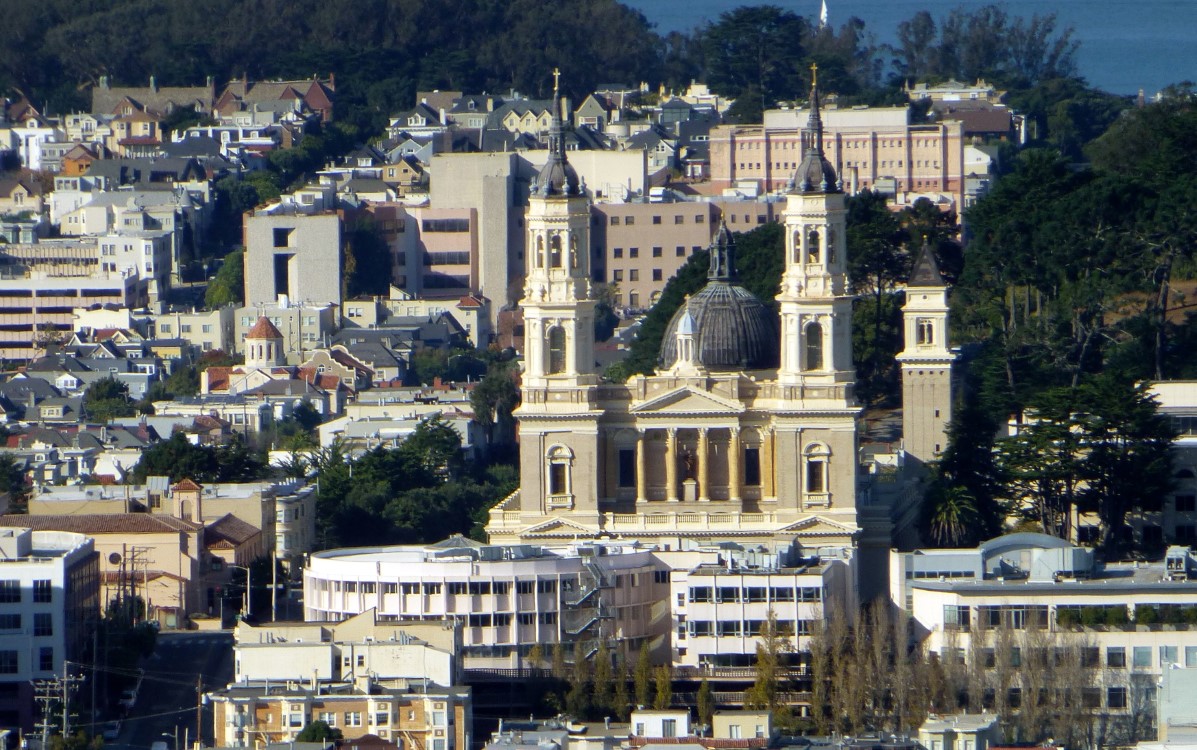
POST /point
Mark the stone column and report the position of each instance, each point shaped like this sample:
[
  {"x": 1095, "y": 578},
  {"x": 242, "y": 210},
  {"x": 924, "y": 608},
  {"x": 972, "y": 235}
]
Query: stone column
[
  {"x": 704, "y": 469},
  {"x": 768, "y": 481},
  {"x": 641, "y": 466},
  {"x": 671, "y": 494},
  {"x": 735, "y": 475}
]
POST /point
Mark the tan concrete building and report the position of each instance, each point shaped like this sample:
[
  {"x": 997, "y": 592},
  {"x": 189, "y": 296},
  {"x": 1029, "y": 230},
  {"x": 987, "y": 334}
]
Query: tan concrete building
[
  {"x": 871, "y": 148},
  {"x": 158, "y": 559}
]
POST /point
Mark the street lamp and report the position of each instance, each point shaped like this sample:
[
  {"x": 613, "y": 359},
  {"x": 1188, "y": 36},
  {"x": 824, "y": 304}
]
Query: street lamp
[{"x": 249, "y": 607}]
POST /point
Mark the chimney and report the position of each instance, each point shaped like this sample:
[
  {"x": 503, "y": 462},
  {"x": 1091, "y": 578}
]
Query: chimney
[{"x": 153, "y": 84}]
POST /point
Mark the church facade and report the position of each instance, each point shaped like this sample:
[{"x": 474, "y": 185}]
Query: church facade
[{"x": 744, "y": 433}]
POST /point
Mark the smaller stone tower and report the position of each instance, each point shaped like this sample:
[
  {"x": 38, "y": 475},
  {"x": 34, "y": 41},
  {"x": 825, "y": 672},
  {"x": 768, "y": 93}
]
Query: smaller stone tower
[
  {"x": 926, "y": 362},
  {"x": 264, "y": 346}
]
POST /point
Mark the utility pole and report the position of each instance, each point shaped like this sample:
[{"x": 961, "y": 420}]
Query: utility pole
[
  {"x": 67, "y": 686},
  {"x": 274, "y": 587},
  {"x": 199, "y": 710},
  {"x": 45, "y": 693}
]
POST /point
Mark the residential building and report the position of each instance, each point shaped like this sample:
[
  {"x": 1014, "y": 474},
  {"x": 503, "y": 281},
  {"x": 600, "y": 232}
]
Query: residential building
[
  {"x": 205, "y": 329},
  {"x": 422, "y": 716},
  {"x": 961, "y": 732},
  {"x": 49, "y": 607},
  {"x": 107, "y": 99},
  {"x": 316, "y": 94}
]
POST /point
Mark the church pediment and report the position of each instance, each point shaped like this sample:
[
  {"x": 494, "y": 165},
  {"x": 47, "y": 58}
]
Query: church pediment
[
  {"x": 820, "y": 526},
  {"x": 556, "y": 527},
  {"x": 687, "y": 400}
]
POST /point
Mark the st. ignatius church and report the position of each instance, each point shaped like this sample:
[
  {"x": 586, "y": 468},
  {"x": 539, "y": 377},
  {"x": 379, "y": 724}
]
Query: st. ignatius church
[{"x": 745, "y": 433}]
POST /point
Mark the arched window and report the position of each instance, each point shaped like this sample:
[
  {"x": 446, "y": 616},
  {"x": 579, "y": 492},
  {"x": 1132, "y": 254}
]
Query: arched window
[
  {"x": 797, "y": 247},
  {"x": 556, "y": 350},
  {"x": 555, "y": 251},
  {"x": 814, "y": 347},
  {"x": 559, "y": 465},
  {"x": 540, "y": 252},
  {"x": 924, "y": 331},
  {"x": 816, "y": 459},
  {"x": 812, "y": 246}
]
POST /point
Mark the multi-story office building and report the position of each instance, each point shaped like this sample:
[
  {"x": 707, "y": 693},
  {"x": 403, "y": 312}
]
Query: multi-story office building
[
  {"x": 508, "y": 598},
  {"x": 870, "y": 147},
  {"x": 1126, "y": 622},
  {"x": 49, "y": 604}
]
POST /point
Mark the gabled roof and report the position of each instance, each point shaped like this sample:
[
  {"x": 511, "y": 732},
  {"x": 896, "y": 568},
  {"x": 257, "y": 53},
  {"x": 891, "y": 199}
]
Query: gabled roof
[
  {"x": 102, "y": 523},
  {"x": 925, "y": 272},
  {"x": 230, "y": 529}
]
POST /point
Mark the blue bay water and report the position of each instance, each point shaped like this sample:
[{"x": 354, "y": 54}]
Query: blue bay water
[{"x": 1126, "y": 45}]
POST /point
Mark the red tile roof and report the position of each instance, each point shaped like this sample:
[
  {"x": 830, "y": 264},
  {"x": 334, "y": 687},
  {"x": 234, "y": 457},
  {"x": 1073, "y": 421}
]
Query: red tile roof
[
  {"x": 229, "y": 529},
  {"x": 187, "y": 485},
  {"x": 101, "y": 523},
  {"x": 263, "y": 329}
]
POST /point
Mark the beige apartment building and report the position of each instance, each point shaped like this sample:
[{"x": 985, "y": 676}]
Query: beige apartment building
[
  {"x": 869, "y": 147},
  {"x": 412, "y": 714}
]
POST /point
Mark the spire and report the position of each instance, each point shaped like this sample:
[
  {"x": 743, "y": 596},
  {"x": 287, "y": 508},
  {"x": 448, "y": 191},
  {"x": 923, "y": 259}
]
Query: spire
[
  {"x": 925, "y": 271},
  {"x": 556, "y": 177},
  {"x": 723, "y": 255},
  {"x": 815, "y": 174}
]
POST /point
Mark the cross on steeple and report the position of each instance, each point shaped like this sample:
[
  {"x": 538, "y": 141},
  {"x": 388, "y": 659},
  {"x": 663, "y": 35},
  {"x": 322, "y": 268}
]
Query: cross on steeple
[
  {"x": 814, "y": 74},
  {"x": 556, "y": 78}
]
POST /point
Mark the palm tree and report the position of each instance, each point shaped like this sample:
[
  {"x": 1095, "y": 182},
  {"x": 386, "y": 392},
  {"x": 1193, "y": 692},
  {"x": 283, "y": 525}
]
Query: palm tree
[{"x": 953, "y": 516}]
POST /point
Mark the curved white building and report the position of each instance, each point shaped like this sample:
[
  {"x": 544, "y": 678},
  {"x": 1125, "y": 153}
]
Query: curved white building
[{"x": 507, "y": 597}]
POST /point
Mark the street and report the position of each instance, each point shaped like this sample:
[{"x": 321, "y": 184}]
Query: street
[{"x": 166, "y": 703}]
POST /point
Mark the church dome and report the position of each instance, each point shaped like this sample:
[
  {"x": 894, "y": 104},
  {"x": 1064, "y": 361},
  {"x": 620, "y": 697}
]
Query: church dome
[{"x": 731, "y": 328}]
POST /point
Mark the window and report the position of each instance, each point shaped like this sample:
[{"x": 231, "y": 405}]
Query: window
[
  {"x": 555, "y": 251},
  {"x": 814, "y": 347},
  {"x": 10, "y": 622},
  {"x": 1116, "y": 697},
  {"x": 614, "y": 221},
  {"x": 816, "y": 469},
  {"x": 679, "y": 219},
  {"x": 656, "y": 219},
  {"x": 282, "y": 237},
  {"x": 812, "y": 246},
  {"x": 633, "y": 274},
  {"x": 629, "y": 221},
  {"x": 353, "y": 718},
  {"x": 1116, "y": 657},
  {"x": 1141, "y": 657},
  {"x": 627, "y": 467},
  {"x": 617, "y": 275},
  {"x": 556, "y": 350},
  {"x": 382, "y": 718},
  {"x": 45, "y": 659},
  {"x": 10, "y": 592},
  {"x": 617, "y": 252},
  {"x": 700, "y": 594},
  {"x": 680, "y": 251},
  {"x": 669, "y": 727},
  {"x": 1167, "y": 656},
  {"x": 657, "y": 252},
  {"x": 559, "y": 459},
  {"x": 752, "y": 467},
  {"x": 699, "y": 219},
  {"x": 43, "y": 591},
  {"x": 8, "y": 662},
  {"x": 924, "y": 331},
  {"x": 43, "y": 624},
  {"x": 633, "y": 252},
  {"x": 1186, "y": 503},
  {"x": 657, "y": 274},
  {"x": 956, "y": 617}
]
